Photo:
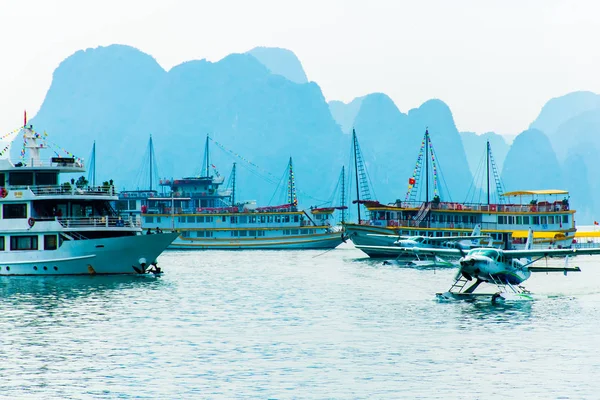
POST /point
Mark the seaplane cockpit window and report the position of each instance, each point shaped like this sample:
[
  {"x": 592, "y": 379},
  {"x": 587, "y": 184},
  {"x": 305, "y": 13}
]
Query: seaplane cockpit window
[{"x": 490, "y": 253}]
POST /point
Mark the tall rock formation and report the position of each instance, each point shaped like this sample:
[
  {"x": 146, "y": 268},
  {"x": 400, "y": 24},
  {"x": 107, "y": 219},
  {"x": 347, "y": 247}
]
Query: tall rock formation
[{"x": 281, "y": 62}]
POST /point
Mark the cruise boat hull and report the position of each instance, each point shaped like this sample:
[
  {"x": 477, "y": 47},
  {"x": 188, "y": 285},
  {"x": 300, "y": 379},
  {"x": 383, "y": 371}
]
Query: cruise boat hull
[
  {"x": 323, "y": 241},
  {"x": 118, "y": 255}
]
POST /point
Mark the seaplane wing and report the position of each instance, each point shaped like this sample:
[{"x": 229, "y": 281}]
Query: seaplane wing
[
  {"x": 432, "y": 250},
  {"x": 549, "y": 253},
  {"x": 456, "y": 238},
  {"x": 533, "y": 268}
]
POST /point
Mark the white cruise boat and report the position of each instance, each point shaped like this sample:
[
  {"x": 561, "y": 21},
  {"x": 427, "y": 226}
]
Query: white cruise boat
[{"x": 51, "y": 229}]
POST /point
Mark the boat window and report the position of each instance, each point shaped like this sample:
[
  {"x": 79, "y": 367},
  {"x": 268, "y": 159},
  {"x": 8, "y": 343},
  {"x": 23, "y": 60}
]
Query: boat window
[
  {"x": 24, "y": 242},
  {"x": 243, "y": 233},
  {"x": 1, "y": 243},
  {"x": 46, "y": 178},
  {"x": 535, "y": 220},
  {"x": 544, "y": 220},
  {"x": 191, "y": 219},
  {"x": 149, "y": 220},
  {"x": 465, "y": 218},
  {"x": 233, "y": 220},
  {"x": 565, "y": 219},
  {"x": 442, "y": 218},
  {"x": 294, "y": 231},
  {"x": 519, "y": 220},
  {"x": 253, "y": 219},
  {"x": 278, "y": 218},
  {"x": 181, "y": 219},
  {"x": 243, "y": 219},
  {"x": 234, "y": 233},
  {"x": 526, "y": 220},
  {"x": 551, "y": 219},
  {"x": 286, "y": 218},
  {"x": 209, "y": 233},
  {"x": 261, "y": 233},
  {"x": 296, "y": 218},
  {"x": 251, "y": 233},
  {"x": 501, "y": 219},
  {"x": 511, "y": 219},
  {"x": 50, "y": 242},
  {"x": 200, "y": 219},
  {"x": 2, "y": 179},
  {"x": 209, "y": 219},
  {"x": 199, "y": 233},
  {"x": 185, "y": 234},
  {"x": 21, "y": 178},
  {"x": 14, "y": 211}
]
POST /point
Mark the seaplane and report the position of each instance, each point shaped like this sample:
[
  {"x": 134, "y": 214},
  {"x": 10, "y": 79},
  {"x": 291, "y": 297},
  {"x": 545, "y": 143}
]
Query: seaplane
[
  {"x": 504, "y": 270},
  {"x": 405, "y": 249}
]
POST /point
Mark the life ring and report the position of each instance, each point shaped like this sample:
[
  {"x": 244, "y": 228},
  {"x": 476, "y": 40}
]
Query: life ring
[
  {"x": 459, "y": 206},
  {"x": 31, "y": 222},
  {"x": 3, "y": 192},
  {"x": 144, "y": 209},
  {"x": 533, "y": 208}
]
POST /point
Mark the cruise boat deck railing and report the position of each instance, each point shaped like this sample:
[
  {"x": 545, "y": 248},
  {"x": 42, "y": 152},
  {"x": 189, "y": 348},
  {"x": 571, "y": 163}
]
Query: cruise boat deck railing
[
  {"x": 461, "y": 225},
  {"x": 59, "y": 190},
  {"x": 99, "y": 222},
  {"x": 527, "y": 208},
  {"x": 66, "y": 163}
]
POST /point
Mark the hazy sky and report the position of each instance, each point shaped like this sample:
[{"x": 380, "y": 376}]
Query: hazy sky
[{"x": 495, "y": 63}]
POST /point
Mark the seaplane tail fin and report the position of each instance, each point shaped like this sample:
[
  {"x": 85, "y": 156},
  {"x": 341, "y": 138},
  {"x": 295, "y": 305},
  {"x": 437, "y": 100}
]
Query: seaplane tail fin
[
  {"x": 529, "y": 242},
  {"x": 476, "y": 230}
]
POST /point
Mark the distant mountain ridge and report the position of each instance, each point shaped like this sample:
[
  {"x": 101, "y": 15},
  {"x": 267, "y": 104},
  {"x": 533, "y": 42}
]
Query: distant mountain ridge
[{"x": 261, "y": 106}]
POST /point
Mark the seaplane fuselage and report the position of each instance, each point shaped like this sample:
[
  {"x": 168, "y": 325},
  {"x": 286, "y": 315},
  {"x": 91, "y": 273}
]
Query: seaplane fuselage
[{"x": 489, "y": 265}]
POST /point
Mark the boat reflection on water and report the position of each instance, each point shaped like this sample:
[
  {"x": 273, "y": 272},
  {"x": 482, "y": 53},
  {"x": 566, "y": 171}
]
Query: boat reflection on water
[{"x": 51, "y": 291}]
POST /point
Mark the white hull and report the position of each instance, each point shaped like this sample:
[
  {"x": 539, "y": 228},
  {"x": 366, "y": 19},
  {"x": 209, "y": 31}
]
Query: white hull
[
  {"x": 119, "y": 255},
  {"x": 322, "y": 241}
]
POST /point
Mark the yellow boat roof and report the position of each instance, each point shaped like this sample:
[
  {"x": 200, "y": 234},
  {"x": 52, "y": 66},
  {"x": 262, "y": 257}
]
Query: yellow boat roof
[{"x": 535, "y": 192}]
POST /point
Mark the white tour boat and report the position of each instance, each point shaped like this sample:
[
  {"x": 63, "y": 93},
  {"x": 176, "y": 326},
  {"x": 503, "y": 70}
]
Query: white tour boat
[{"x": 51, "y": 229}]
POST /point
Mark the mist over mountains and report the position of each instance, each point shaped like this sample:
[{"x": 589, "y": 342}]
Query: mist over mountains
[{"x": 261, "y": 106}]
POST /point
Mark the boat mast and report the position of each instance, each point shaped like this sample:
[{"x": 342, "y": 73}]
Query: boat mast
[
  {"x": 233, "y": 185},
  {"x": 426, "y": 166},
  {"x": 487, "y": 169},
  {"x": 150, "y": 147},
  {"x": 343, "y": 194},
  {"x": 292, "y": 199},
  {"x": 207, "y": 156},
  {"x": 355, "y": 144}
]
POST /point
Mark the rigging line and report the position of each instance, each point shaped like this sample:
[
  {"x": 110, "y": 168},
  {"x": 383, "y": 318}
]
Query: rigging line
[
  {"x": 439, "y": 170},
  {"x": 474, "y": 183},
  {"x": 273, "y": 177},
  {"x": 277, "y": 188}
]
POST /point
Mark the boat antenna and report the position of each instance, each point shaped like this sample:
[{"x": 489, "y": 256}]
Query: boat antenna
[
  {"x": 355, "y": 146},
  {"x": 92, "y": 173},
  {"x": 150, "y": 158}
]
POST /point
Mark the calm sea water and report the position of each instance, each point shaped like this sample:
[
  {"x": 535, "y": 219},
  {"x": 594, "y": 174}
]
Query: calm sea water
[{"x": 295, "y": 324}]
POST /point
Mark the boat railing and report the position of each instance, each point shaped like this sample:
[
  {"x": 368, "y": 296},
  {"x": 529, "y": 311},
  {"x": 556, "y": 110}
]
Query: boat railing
[
  {"x": 64, "y": 190},
  {"x": 55, "y": 162},
  {"x": 99, "y": 222},
  {"x": 556, "y": 206}
]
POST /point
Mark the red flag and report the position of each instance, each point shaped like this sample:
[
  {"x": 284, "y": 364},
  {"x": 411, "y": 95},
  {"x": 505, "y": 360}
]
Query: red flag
[
  {"x": 595, "y": 222},
  {"x": 24, "y": 118}
]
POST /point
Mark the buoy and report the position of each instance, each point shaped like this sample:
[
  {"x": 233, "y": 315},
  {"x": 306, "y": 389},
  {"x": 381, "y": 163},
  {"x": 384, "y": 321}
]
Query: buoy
[{"x": 31, "y": 222}]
